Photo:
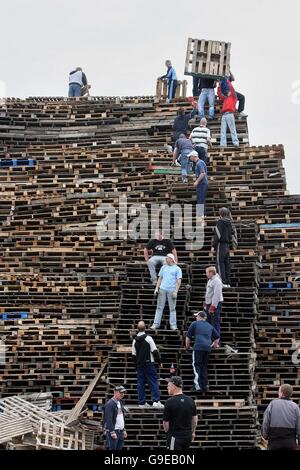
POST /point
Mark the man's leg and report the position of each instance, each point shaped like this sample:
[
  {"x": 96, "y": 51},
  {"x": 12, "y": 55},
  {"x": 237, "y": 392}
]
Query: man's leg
[
  {"x": 203, "y": 360},
  {"x": 196, "y": 369},
  {"x": 152, "y": 263},
  {"x": 211, "y": 101},
  {"x": 141, "y": 381},
  {"x": 111, "y": 444},
  {"x": 175, "y": 83},
  {"x": 216, "y": 318},
  {"x": 120, "y": 439},
  {"x": 241, "y": 99},
  {"x": 201, "y": 198},
  {"x": 71, "y": 91},
  {"x": 220, "y": 255},
  {"x": 172, "y": 309},
  {"x": 223, "y": 142},
  {"x": 161, "y": 302},
  {"x": 184, "y": 162},
  {"x": 152, "y": 380},
  {"x": 77, "y": 90},
  {"x": 227, "y": 266},
  {"x": 231, "y": 125},
  {"x": 177, "y": 443},
  {"x": 201, "y": 103}
]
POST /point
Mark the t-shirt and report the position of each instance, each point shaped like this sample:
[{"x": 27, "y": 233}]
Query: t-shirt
[
  {"x": 204, "y": 333},
  {"x": 179, "y": 411},
  {"x": 200, "y": 167},
  {"x": 160, "y": 247},
  {"x": 169, "y": 275},
  {"x": 207, "y": 83},
  {"x": 184, "y": 146},
  {"x": 200, "y": 136},
  {"x": 120, "y": 424}
]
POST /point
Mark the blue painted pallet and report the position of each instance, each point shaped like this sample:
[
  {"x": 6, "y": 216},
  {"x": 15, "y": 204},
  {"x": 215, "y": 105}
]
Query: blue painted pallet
[
  {"x": 13, "y": 315},
  {"x": 276, "y": 285},
  {"x": 14, "y": 162},
  {"x": 290, "y": 225}
]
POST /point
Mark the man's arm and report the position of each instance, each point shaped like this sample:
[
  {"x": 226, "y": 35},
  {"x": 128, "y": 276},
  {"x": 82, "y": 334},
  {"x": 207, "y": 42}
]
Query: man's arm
[
  {"x": 199, "y": 179},
  {"x": 194, "y": 425},
  {"x": 266, "y": 422},
  {"x": 178, "y": 284},
  {"x": 174, "y": 252},
  {"x": 84, "y": 79},
  {"x": 166, "y": 425},
  {"x": 187, "y": 343},
  {"x": 146, "y": 254},
  {"x": 158, "y": 282},
  {"x": 175, "y": 153},
  {"x": 154, "y": 350},
  {"x": 217, "y": 294}
]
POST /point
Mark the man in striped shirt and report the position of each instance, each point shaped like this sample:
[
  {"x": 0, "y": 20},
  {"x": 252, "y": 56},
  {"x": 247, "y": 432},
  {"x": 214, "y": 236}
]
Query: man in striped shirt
[{"x": 201, "y": 139}]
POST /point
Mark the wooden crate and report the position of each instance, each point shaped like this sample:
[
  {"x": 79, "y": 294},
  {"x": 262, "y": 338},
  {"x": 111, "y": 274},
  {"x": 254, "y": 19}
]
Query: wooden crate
[
  {"x": 207, "y": 58},
  {"x": 162, "y": 89}
]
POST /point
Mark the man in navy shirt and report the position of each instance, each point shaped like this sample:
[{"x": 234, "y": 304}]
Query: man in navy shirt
[
  {"x": 204, "y": 334},
  {"x": 201, "y": 183}
]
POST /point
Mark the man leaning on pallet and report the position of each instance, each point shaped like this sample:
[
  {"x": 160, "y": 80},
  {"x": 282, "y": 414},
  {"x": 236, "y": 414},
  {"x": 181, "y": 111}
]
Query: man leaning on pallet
[{"x": 77, "y": 80}]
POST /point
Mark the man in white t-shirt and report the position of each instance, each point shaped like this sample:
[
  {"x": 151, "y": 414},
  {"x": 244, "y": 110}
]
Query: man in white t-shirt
[
  {"x": 201, "y": 139},
  {"x": 114, "y": 421}
]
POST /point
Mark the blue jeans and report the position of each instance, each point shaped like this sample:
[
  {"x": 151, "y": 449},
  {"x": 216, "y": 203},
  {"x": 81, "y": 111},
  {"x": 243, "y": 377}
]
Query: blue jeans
[
  {"x": 74, "y": 90},
  {"x": 228, "y": 120},
  {"x": 201, "y": 197},
  {"x": 161, "y": 302},
  {"x": 172, "y": 85},
  {"x": 207, "y": 94},
  {"x": 115, "y": 444},
  {"x": 215, "y": 319},
  {"x": 147, "y": 374},
  {"x": 185, "y": 163}
]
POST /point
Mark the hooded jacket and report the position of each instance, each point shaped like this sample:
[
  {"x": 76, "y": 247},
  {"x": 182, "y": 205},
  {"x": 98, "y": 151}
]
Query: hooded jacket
[
  {"x": 229, "y": 102},
  {"x": 214, "y": 289},
  {"x": 144, "y": 351},
  {"x": 181, "y": 124},
  {"x": 223, "y": 232}
]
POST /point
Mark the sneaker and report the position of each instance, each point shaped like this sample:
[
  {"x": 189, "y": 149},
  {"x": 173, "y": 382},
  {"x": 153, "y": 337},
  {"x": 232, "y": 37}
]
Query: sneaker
[
  {"x": 177, "y": 163},
  {"x": 185, "y": 181},
  {"x": 196, "y": 390},
  {"x": 226, "y": 286},
  {"x": 242, "y": 114},
  {"x": 154, "y": 327},
  {"x": 146, "y": 405},
  {"x": 173, "y": 327},
  {"x": 157, "y": 404}
]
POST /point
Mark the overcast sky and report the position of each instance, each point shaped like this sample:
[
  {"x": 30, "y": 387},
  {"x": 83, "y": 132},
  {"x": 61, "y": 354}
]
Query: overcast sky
[{"x": 122, "y": 46}]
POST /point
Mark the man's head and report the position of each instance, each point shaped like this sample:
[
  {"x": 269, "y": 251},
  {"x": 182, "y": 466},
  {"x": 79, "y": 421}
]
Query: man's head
[
  {"x": 168, "y": 63},
  {"x": 181, "y": 112},
  {"x": 174, "y": 385},
  {"x": 78, "y": 69},
  {"x": 141, "y": 326},
  {"x": 200, "y": 316},
  {"x": 159, "y": 235},
  {"x": 203, "y": 122},
  {"x": 119, "y": 391},
  {"x": 193, "y": 156},
  {"x": 224, "y": 212},
  {"x": 285, "y": 391},
  {"x": 210, "y": 272},
  {"x": 170, "y": 259},
  {"x": 183, "y": 136}
]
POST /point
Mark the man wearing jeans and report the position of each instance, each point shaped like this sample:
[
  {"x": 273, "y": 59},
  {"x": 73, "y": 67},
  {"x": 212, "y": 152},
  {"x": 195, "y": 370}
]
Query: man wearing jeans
[
  {"x": 113, "y": 420},
  {"x": 201, "y": 183},
  {"x": 207, "y": 86},
  {"x": 77, "y": 79},
  {"x": 228, "y": 120},
  {"x": 159, "y": 247},
  {"x": 183, "y": 148},
  {"x": 214, "y": 299},
  {"x": 167, "y": 287},
  {"x": 171, "y": 77}
]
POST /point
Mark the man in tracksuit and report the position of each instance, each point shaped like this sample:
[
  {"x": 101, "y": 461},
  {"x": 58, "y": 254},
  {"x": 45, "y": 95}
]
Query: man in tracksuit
[
  {"x": 183, "y": 149},
  {"x": 77, "y": 79},
  {"x": 172, "y": 80},
  {"x": 281, "y": 424},
  {"x": 228, "y": 110},
  {"x": 114, "y": 420},
  {"x": 201, "y": 183},
  {"x": 181, "y": 123},
  {"x": 214, "y": 299},
  {"x": 145, "y": 356},
  {"x": 204, "y": 334},
  {"x": 222, "y": 243}
]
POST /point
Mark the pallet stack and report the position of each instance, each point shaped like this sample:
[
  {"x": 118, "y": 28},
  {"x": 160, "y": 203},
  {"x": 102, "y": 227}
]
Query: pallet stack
[{"x": 70, "y": 299}]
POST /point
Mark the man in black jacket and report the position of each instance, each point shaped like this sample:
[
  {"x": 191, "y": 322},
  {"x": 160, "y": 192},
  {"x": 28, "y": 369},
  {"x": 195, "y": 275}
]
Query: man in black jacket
[
  {"x": 181, "y": 122},
  {"x": 281, "y": 425},
  {"x": 114, "y": 421},
  {"x": 223, "y": 240},
  {"x": 145, "y": 356}
]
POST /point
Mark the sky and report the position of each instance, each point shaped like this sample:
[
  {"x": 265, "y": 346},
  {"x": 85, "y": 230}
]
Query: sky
[{"x": 122, "y": 46}]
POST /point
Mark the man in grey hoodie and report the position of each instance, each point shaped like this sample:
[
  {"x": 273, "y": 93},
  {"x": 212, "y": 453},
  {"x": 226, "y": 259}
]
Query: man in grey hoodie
[{"x": 214, "y": 299}]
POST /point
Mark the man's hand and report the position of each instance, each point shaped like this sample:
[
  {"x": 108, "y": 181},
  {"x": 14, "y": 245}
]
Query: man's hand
[
  {"x": 193, "y": 436},
  {"x": 195, "y": 184},
  {"x": 212, "y": 249},
  {"x": 174, "y": 294},
  {"x": 113, "y": 435},
  {"x": 212, "y": 309},
  {"x": 204, "y": 306},
  {"x": 161, "y": 366},
  {"x": 156, "y": 292},
  {"x": 125, "y": 434},
  {"x": 187, "y": 348}
]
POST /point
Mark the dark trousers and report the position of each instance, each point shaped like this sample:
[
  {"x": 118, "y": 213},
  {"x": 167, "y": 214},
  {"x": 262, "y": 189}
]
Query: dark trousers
[
  {"x": 172, "y": 85},
  {"x": 200, "y": 366},
  {"x": 215, "y": 319},
  {"x": 202, "y": 154},
  {"x": 115, "y": 444},
  {"x": 201, "y": 198},
  {"x": 196, "y": 91},
  {"x": 179, "y": 443},
  {"x": 223, "y": 262},
  {"x": 282, "y": 444},
  {"x": 241, "y": 99},
  {"x": 147, "y": 375}
]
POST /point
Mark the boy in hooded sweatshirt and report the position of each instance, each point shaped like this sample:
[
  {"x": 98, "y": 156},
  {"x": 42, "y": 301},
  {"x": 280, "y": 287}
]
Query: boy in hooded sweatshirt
[
  {"x": 214, "y": 299},
  {"x": 228, "y": 110},
  {"x": 223, "y": 240}
]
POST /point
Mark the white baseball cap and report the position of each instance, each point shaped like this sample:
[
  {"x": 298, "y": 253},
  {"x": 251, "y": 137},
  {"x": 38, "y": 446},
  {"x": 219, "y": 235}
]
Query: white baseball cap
[{"x": 170, "y": 255}]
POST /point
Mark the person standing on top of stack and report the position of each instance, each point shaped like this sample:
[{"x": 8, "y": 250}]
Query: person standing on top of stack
[
  {"x": 240, "y": 97},
  {"x": 228, "y": 110},
  {"x": 171, "y": 77},
  {"x": 183, "y": 149},
  {"x": 201, "y": 139},
  {"x": 214, "y": 299},
  {"x": 167, "y": 287},
  {"x": 77, "y": 79},
  {"x": 181, "y": 122},
  {"x": 159, "y": 247},
  {"x": 201, "y": 184},
  {"x": 224, "y": 239},
  {"x": 207, "y": 87}
]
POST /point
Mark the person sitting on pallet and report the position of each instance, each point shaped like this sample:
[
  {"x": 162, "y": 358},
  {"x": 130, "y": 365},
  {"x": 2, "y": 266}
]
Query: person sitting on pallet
[
  {"x": 77, "y": 79},
  {"x": 241, "y": 98},
  {"x": 181, "y": 122},
  {"x": 228, "y": 109},
  {"x": 201, "y": 183},
  {"x": 225, "y": 237},
  {"x": 159, "y": 247},
  {"x": 201, "y": 139},
  {"x": 171, "y": 77},
  {"x": 183, "y": 148},
  {"x": 145, "y": 356},
  {"x": 214, "y": 299},
  {"x": 207, "y": 87},
  {"x": 167, "y": 287}
]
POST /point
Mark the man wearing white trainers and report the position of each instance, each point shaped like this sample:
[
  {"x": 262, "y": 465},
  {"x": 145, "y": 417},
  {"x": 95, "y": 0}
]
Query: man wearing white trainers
[
  {"x": 145, "y": 357},
  {"x": 167, "y": 287},
  {"x": 214, "y": 299}
]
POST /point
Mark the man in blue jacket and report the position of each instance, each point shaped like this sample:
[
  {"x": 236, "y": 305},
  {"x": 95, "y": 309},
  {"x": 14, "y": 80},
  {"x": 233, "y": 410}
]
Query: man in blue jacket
[
  {"x": 77, "y": 79},
  {"x": 205, "y": 335},
  {"x": 114, "y": 421},
  {"x": 171, "y": 77}
]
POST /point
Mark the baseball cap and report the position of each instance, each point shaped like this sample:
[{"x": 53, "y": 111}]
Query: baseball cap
[
  {"x": 201, "y": 314},
  {"x": 176, "y": 380},
  {"x": 193, "y": 154},
  {"x": 120, "y": 388},
  {"x": 170, "y": 255}
]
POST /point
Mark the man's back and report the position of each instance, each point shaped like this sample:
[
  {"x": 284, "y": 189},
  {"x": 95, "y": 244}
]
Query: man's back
[{"x": 179, "y": 411}]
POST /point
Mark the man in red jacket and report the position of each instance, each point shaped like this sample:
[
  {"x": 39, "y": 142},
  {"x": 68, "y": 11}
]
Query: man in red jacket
[{"x": 228, "y": 110}]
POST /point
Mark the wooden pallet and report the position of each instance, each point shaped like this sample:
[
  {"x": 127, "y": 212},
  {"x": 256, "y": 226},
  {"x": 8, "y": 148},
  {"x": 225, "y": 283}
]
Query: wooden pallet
[{"x": 207, "y": 58}]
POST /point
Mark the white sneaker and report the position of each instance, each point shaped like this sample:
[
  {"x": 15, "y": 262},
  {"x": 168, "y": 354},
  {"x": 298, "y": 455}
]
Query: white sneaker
[
  {"x": 173, "y": 327},
  {"x": 242, "y": 114},
  {"x": 146, "y": 405},
  {"x": 153, "y": 327},
  {"x": 226, "y": 286},
  {"x": 157, "y": 404}
]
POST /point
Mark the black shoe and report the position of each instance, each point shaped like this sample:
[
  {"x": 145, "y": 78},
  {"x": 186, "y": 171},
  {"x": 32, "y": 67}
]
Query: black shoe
[{"x": 196, "y": 390}]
